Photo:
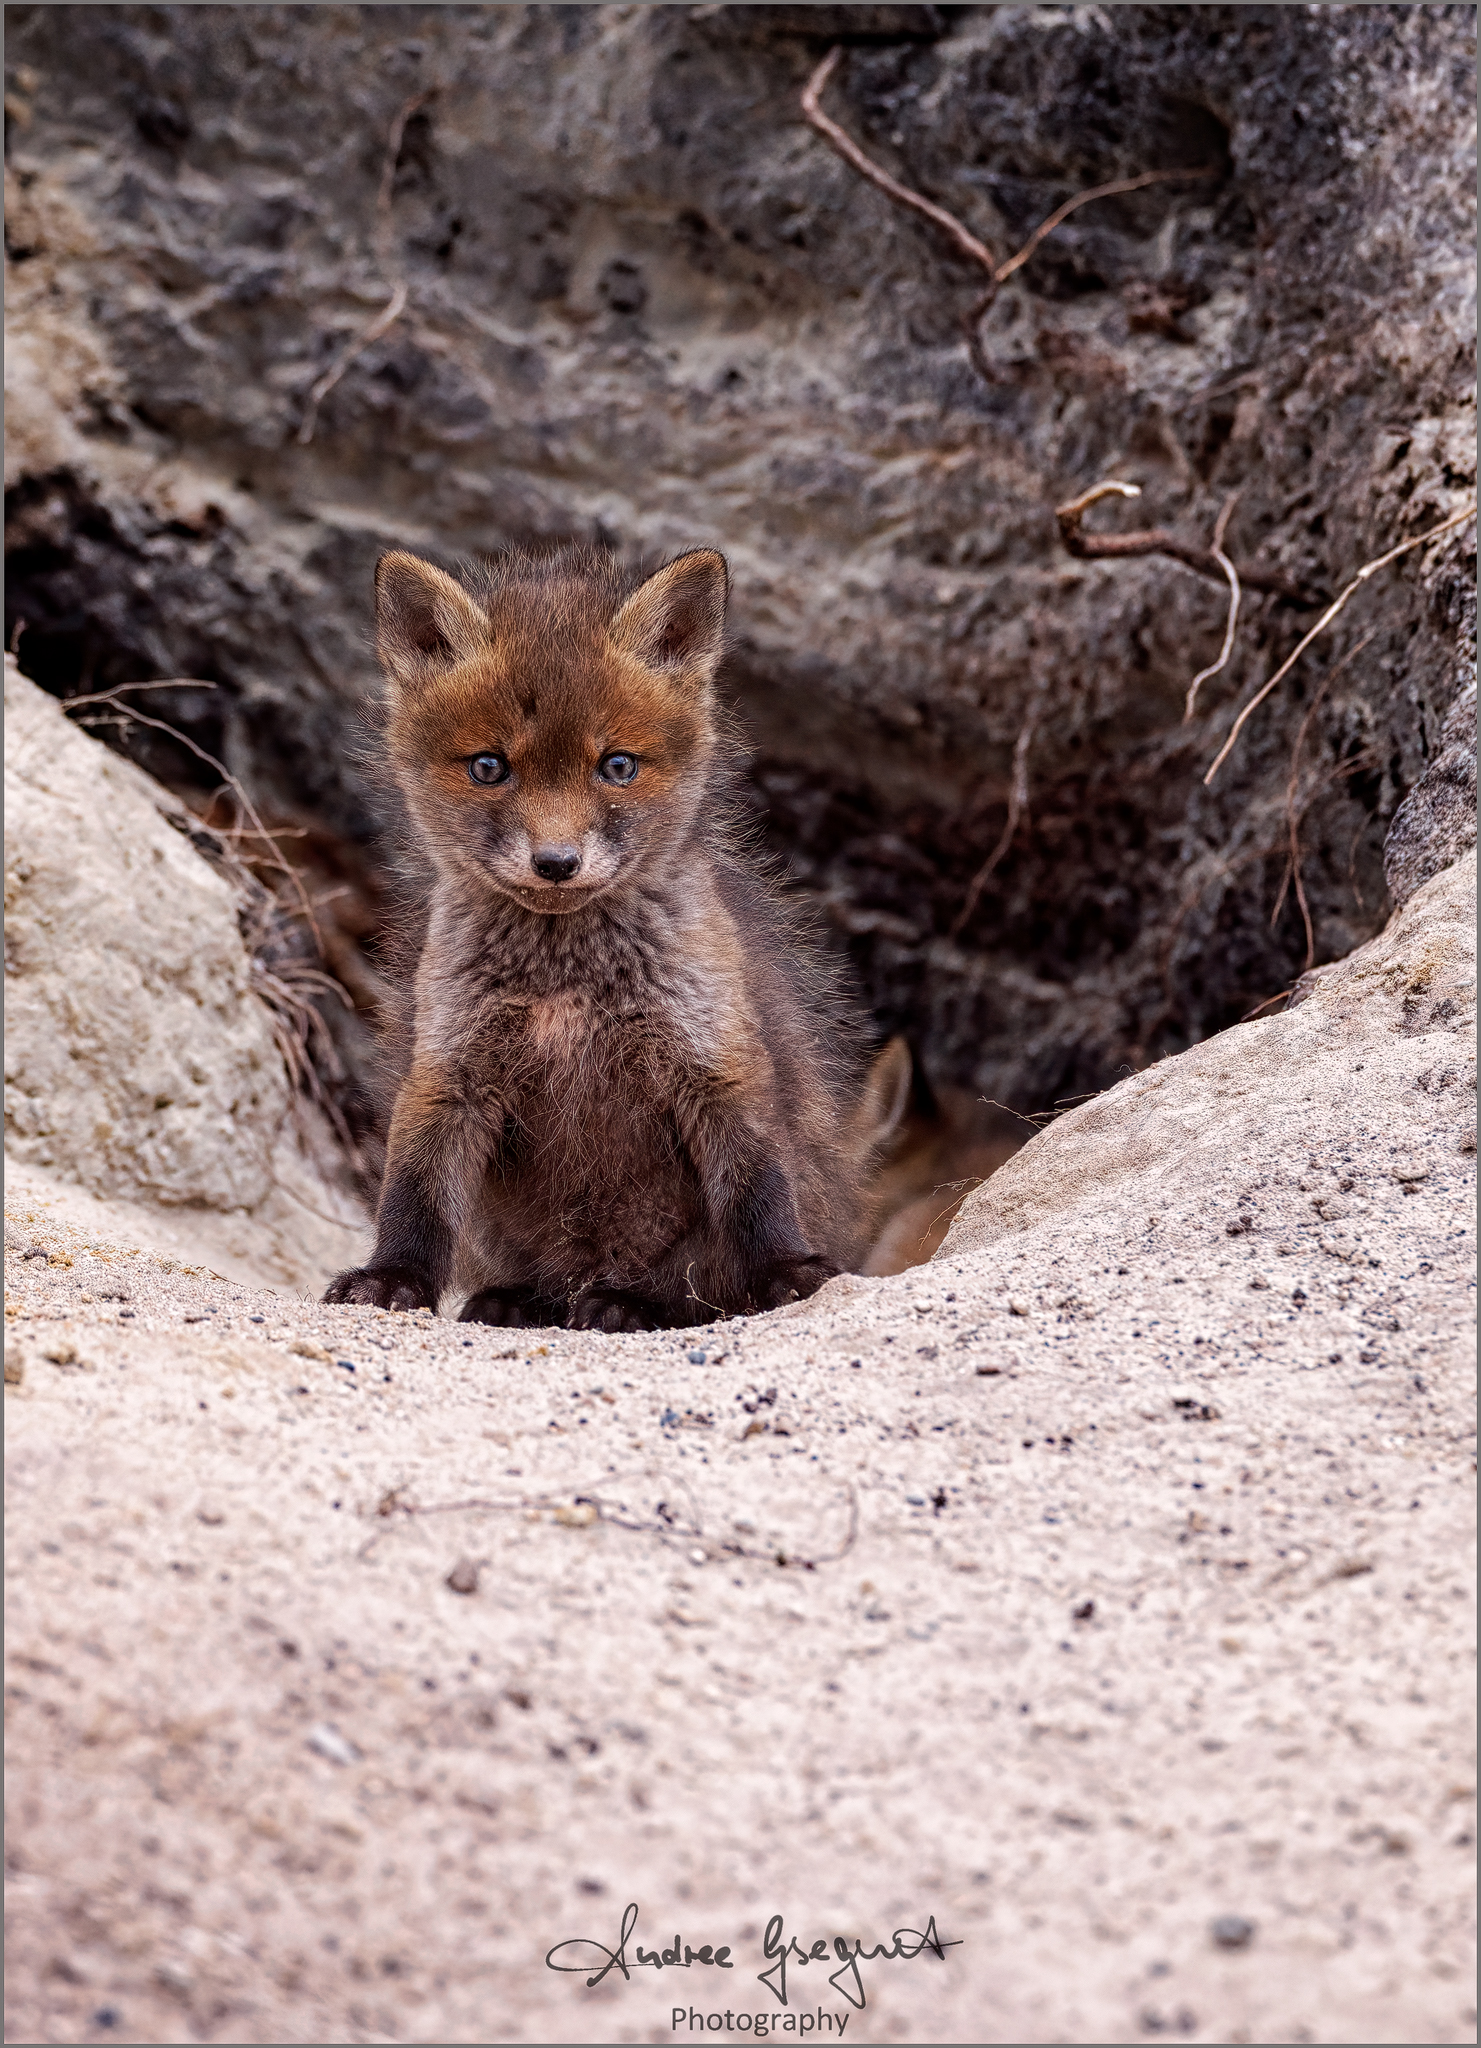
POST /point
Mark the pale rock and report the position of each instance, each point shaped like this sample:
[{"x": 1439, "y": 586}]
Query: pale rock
[
  {"x": 1373, "y": 1070},
  {"x": 139, "y": 1064}
]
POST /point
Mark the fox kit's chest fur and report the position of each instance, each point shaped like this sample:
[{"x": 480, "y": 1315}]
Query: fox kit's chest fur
[
  {"x": 618, "y": 1105},
  {"x": 598, "y": 1049}
]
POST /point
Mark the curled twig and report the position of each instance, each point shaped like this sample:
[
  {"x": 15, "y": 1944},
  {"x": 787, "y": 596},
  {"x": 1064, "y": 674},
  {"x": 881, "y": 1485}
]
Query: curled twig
[
  {"x": 1368, "y": 569},
  {"x": 1217, "y": 551},
  {"x": 1156, "y": 540},
  {"x": 381, "y": 322}
]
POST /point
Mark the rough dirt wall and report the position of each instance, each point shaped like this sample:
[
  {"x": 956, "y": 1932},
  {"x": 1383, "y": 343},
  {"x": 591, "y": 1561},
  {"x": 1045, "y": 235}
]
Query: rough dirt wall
[{"x": 645, "y": 303}]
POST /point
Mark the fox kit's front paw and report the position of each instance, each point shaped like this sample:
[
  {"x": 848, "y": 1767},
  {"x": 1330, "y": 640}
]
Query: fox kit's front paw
[
  {"x": 384, "y": 1287},
  {"x": 787, "y": 1280},
  {"x": 514, "y": 1308},
  {"x": 613, "y": 1308}
]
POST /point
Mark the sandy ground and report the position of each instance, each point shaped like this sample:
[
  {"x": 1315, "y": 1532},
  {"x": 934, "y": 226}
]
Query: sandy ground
[
  {"x": 1076, "y": 1606},
  {"x": 1094, "y": 1599}
]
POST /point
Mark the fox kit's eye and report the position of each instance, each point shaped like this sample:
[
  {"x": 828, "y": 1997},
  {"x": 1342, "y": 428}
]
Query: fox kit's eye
[
  {"x": 617, "y": 767},
  {"x": 488, "y": 768}
]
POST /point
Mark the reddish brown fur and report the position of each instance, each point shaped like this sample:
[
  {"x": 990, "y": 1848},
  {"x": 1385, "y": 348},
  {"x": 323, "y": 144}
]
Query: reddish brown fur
[
  {"x": 936, "y": 1144},
  {"x": 621, "y": 1105}
]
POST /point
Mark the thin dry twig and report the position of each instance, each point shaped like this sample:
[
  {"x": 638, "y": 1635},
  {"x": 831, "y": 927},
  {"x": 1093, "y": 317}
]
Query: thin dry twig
[
  {"x": 1217, "y": 551},
  {"x": 1353, "y": 765},
  {"x": 381, "y": 322},
  {"x": 1265, "y": 1003},
  {"x": 1293, "y": 815},
  {"x": 668, "y": 1527},
  {"x": 288, "y": 988},
  {"x": 1368, "y": 569},
  {"x": 112, "y": 696},
  {"x": 1017, "y": 810},
  {"x": 1156, "y": 540},
  {"x": 161, "y": 725}
]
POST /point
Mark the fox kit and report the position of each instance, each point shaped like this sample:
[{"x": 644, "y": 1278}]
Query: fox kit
[{"x": 620, "y": 1106}]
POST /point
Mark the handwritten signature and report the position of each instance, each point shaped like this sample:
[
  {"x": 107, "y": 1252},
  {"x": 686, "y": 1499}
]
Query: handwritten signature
[{"x": 779, "y": 1948}]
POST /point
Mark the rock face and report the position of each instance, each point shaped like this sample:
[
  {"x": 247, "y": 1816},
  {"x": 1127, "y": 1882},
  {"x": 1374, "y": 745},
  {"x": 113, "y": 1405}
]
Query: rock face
[
  {"x": 645, "y": 303},
  {"x": 1436, "y": 822},
  {"x": 139, "y": 1063}
]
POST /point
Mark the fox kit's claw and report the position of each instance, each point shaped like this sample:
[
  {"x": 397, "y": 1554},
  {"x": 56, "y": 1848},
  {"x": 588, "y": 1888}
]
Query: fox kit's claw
[
  {"x": 383, "y": 1287},
  {"x": 612, "y": 1308},
  {"x": 787, "y": 1280},
  {"x": 514, "y": 1308}
]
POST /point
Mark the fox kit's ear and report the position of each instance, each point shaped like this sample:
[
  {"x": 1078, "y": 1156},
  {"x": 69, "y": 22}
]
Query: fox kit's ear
[
  {"x": 423, "y": 620},
  {"x": 676, "y": 620}
]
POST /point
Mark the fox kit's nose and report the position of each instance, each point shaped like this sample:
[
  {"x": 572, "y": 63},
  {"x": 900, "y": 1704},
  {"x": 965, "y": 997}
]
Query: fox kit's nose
[{"x": 555, "y": 863}]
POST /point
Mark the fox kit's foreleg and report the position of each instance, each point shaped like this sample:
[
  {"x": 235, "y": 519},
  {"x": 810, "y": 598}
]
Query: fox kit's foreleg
[
  {"x": 749, "y": 1253},
  {"x": 443, "y": 1132}
]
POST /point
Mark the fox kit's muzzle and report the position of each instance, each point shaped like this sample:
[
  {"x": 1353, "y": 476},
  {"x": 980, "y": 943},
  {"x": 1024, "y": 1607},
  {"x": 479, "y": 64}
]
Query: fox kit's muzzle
[{"x": 555, "y": 863}]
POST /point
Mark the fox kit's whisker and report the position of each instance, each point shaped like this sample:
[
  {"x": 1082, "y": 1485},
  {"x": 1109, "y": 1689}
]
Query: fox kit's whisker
[{"x": 621, "y": 1099}]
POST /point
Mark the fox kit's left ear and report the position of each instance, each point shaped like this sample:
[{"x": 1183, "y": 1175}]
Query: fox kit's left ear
[{"x": 676, "y": 620}]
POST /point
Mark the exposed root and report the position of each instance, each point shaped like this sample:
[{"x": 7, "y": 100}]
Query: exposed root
[
  {"x": 372, "y": 331},
  {"x": 1293, "y": 814},
  {"x": 1217, "y": 551},
  {"x": 1062, "y": 213},
  {"x": 963, "y": 240},
  {"x": 1017, "y": 811},
  {"x": 1368, "y": 569},
  {"x": 381, "y": 322},
  {"x": 1157, "y": 540}
]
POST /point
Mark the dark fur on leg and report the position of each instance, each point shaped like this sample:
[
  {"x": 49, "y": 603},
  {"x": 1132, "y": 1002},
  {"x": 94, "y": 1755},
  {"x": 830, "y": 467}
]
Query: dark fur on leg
[
  {"x": 617, "y": 1308},
  {"x": 396, "y": 1287},
  {"x": 514, "y": 1308},
  {"x": 784, "y": 1280}
]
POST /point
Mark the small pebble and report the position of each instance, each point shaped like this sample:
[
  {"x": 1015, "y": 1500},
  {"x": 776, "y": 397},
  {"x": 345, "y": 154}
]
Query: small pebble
[
  {"x": 1230, "y": 1931},
  {"x": 697, "y": 1357},
  {"x": 326, "y": 1741},
  {"x": 463, "y": 1578}
]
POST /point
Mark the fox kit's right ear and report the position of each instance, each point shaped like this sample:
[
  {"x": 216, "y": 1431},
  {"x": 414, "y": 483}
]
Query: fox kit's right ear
[{"x": 424, "y": 622}]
